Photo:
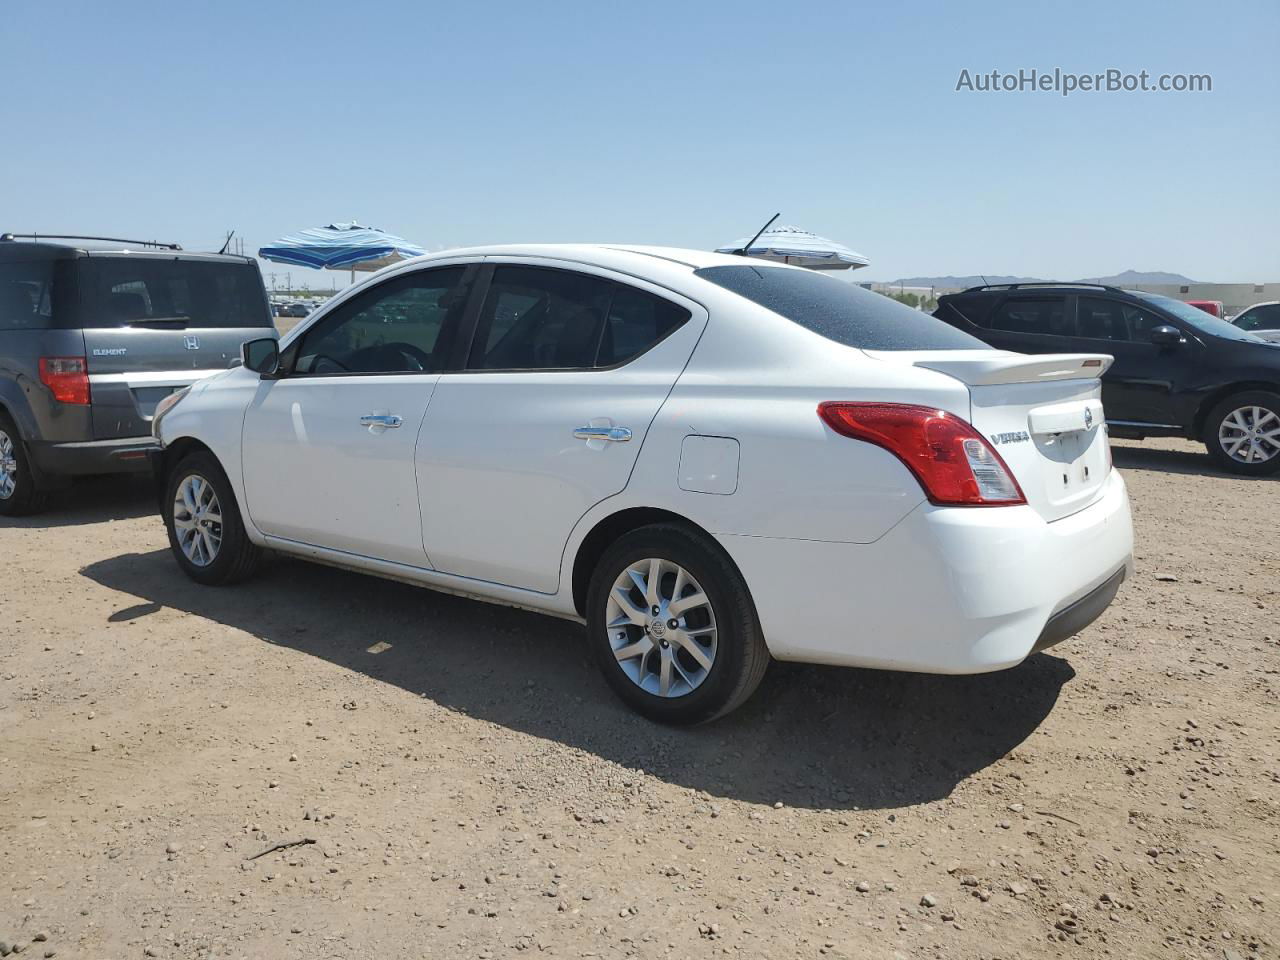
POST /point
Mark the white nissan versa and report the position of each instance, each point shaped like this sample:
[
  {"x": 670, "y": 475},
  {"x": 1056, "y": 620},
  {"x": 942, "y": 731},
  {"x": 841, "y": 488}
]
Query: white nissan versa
[{"x": 710, "y": 460}]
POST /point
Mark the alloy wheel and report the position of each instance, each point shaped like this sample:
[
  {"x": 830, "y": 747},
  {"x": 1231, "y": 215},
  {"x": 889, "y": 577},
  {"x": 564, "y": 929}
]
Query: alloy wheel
[
  {"x": 1250, "y": 434},
  {"x": 197, "y": 520},
  {"x": 8, "y": 466},
  {"x": 661, "y": 627}
]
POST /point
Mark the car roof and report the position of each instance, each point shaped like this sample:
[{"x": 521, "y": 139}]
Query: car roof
[
  {"x": 605, "y": 254},
  {"x": 63, "y": 250}
]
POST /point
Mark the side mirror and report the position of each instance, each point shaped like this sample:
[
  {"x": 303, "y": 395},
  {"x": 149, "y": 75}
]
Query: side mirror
[
  {"x": 261, "y": 356},
  {"x": 1166, "y": 336}
]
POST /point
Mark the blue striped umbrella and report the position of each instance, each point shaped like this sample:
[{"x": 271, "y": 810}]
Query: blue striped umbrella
[
  {"x": 341, "y": 246},
  {"x": 799, "y": 247}
]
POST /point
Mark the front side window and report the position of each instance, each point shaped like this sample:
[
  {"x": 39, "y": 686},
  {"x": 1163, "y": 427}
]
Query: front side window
[
  {"x": 1266, "y": 317},
  {"x": 535, "y": 318},
  {"x": 1101, "y": 319},
  {"x": 403, "y": 325},
  {"x": 1045, "y": 316}
]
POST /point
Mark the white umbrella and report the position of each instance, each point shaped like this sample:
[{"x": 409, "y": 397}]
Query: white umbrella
[{"x": 786, "y": 244}]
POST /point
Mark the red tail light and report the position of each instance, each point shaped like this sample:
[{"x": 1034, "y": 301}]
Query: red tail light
[
  {"x": 952, "y": 461},
  {"x": 67, "y": 377}
]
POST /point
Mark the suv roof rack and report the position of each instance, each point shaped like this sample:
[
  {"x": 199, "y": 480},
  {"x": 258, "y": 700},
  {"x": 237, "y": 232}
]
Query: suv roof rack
[
  {"x": 1044, "y": 283},
  {"x": 11, "y": 237}
]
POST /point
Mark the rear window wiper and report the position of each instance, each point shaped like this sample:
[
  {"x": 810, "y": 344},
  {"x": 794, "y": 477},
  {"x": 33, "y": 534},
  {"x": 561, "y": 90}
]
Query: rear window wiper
[{"x": 162, "y": 321}]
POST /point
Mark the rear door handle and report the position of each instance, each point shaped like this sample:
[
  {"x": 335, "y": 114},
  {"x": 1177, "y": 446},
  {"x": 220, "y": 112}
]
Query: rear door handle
[
  {"x": 616, "y": 434},
  {"x": 381, "y": 420}
]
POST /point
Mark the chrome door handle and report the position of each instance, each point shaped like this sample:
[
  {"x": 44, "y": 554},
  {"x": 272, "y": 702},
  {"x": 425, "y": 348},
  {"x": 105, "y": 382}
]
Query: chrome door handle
[
  {"x": 381, "y": 420},
  {"x": 616, "y": 434}
]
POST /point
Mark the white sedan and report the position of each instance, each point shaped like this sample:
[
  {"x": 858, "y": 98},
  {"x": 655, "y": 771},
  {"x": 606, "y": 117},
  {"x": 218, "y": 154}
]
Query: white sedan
[{"x": 709, "y": 460}]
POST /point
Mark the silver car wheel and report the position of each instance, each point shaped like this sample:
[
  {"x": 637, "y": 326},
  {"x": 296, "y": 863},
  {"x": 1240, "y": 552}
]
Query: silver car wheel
[
  {"x": 8, "y": 466},
  {"x": 197, "y": 520},
  {"x": 1250, "y": 434},
  {"x": 661, "y": 627}
]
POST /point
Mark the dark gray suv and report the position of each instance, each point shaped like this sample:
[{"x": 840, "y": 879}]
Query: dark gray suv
[{"x": 93, "y": 333}]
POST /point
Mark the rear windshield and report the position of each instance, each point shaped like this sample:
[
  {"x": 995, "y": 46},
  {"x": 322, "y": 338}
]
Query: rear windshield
[
  {"x": 33, "y": 293},
  {"x": 137, "y": 291},
  {"x": 839, "y": 310}
]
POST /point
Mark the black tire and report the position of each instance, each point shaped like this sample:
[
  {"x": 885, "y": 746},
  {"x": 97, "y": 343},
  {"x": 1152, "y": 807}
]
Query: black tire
[
  {"x": 1264, "y": 400},
  {"x": 27, "y": 495},
  {"x": 740, "y": 656},
  {"x": 236, "y": 557}
]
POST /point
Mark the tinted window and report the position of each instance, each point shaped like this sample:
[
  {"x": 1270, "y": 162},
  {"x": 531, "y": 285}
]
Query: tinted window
[
  {"x": 1045, "y": 316},
  {"x": 534, "y": 318},
  {"x": 1100, "y": 319},
  {"x": 125, "y": 291},
  {"x": 403, "y": 325},
  {"x": 1193, "y": 316},
  {"x": 636, "y": 321},
  {"x": 839, "y": 310},
  {"x": 37, "y": 294},
  {"x": 1260, "y": 318}
]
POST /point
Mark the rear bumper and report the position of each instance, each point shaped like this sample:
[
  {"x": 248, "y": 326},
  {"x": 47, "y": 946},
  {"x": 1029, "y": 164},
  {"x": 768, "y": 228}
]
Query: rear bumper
[
  {"x": 947, "y": 590},
  {"x": 124, "y": 455}
]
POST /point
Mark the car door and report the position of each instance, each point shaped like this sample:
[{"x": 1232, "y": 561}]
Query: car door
[
  {"x": 565, "y": 372},
  {"x": 328, "y": 447},
  {"x": 1139, "y": 386}
]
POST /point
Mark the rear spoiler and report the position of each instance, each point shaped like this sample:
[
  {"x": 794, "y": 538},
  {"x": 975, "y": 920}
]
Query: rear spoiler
[{"x": 989, "y": 367}]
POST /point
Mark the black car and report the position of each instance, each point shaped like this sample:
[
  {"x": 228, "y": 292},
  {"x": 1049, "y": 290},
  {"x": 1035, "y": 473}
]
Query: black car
[{"x": 1178, "y": 371}]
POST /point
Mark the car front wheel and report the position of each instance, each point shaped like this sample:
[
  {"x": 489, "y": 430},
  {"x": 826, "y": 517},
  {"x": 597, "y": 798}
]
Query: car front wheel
[
  {"x": 206, "y": 533},
  {"x": 673, "y": 626},
  {"x": 1243, "y": 433}
]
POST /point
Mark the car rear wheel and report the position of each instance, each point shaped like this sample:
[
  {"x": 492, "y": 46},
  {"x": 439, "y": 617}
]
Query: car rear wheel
[
  {"x": 20, "y": 491},
  {"x": 1243, "y": 433},
  {"x": 206, "y": 533},
  {"x": 673, "y": 627}
]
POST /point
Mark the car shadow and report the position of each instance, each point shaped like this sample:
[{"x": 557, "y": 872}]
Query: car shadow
[
  {"x": 812, "y": 737},
  {"x": 93, "y": 500},
  {"x": 1193, "y": 462}
]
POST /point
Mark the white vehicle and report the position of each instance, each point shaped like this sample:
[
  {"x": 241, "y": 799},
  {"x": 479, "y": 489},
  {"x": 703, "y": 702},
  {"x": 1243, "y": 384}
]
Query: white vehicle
[{"x": 709, "y": 460}]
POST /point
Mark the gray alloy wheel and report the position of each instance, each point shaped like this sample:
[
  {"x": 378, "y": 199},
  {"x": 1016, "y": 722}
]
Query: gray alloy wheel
[
  {"x": 8, "y": 466},
  {"x": 1250, "y": 434},
  {"x": 661, "y": 627},
  {"x": 197, "y": 520}
]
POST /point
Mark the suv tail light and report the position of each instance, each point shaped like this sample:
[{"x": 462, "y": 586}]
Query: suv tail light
[
  {"x": 952, "y": 461},
  {"x": 67, "y": 377}
]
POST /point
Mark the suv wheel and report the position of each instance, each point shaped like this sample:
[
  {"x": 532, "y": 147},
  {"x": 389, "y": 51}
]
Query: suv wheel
[
  {"x": 206, "y": 533},
  {"x": 19, "y": 492},
  {"x": 673, "y": 627},
  {"x": 1243, "y": 433}
]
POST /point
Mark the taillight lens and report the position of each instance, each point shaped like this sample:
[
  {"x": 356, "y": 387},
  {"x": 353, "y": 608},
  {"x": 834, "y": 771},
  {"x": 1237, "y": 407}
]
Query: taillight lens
[
  {"x": 67, "y": 377},
  {"x": 952, "y": 461}
]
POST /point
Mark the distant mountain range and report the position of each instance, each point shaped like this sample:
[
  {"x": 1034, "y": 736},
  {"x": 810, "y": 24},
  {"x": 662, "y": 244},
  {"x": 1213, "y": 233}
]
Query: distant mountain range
[{"x": 1127, "y": 278}]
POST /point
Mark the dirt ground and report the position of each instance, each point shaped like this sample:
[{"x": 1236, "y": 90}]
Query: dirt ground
[{"x": 456, "y": 780}]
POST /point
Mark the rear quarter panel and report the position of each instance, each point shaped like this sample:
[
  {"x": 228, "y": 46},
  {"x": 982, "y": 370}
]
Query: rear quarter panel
[{"x": 30, "y": 402}]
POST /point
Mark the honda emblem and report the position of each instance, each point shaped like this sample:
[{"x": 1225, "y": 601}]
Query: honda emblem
[{"x": 191, "y": 343}]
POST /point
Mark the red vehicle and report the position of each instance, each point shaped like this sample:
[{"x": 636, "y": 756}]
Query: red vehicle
[{"x": 1208, "y": 306}]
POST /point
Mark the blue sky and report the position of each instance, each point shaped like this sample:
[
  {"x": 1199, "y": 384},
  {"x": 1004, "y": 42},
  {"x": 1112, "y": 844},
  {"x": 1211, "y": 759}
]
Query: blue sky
[{"x": 680, "y": 123}]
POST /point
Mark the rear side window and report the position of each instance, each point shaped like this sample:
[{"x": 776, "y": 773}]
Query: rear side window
[
  {"x": 839, "y": 310},
  {"x": 535, "y": 318},
  {"x": 1045, "y": 316},
  {"x": 37, "y": 294},
  {"x": 138, "y": 291}
]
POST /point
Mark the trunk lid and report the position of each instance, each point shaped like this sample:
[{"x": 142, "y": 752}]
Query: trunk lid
[
  {"x": 156, "y": 322},
  {"x": 1042, "y": 414}
]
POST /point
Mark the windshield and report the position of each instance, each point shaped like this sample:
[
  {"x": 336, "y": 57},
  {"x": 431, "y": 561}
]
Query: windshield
[
  {"x": 1196, "y": 317},
  {"x": 173, "y": 292},
  {"x": 839, "y": 310}
]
